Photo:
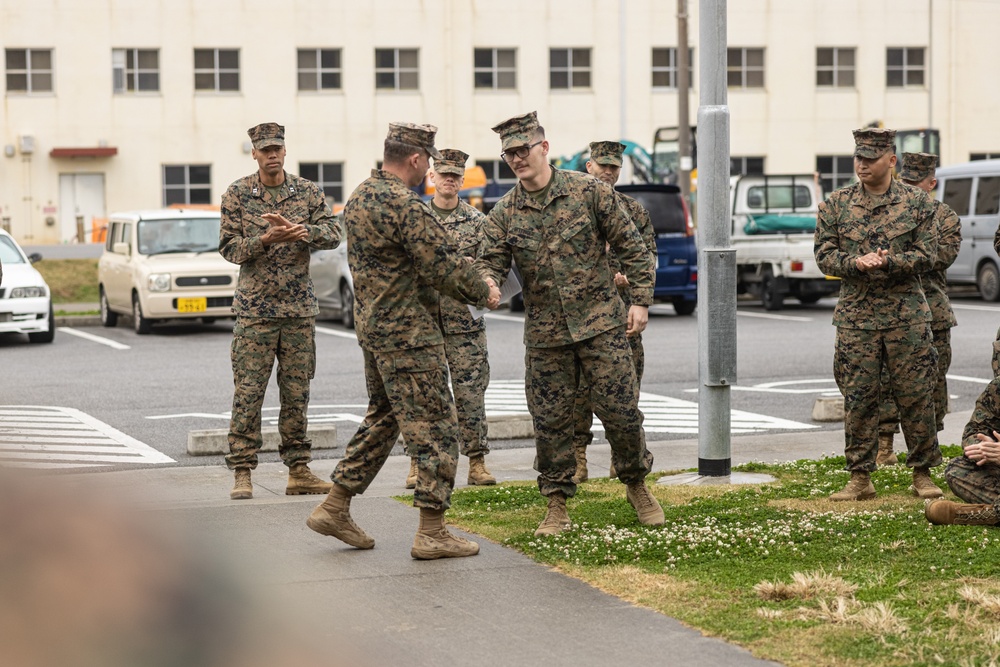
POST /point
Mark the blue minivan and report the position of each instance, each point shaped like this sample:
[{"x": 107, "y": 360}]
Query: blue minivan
[{"x": 676, "y": 251}]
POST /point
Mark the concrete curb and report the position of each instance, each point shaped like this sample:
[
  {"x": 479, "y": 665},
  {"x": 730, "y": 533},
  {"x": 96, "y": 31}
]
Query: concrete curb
[
  {"x": 206, "y": 442},
  {"x": 828, "y": 409},
  {"x": 509, "y": 427},
  {"x": 78, "y": 320}
]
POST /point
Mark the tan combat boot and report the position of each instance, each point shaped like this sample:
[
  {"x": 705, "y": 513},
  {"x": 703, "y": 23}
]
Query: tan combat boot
[
  {"x": 556, "y": 517},
  {"x": 581, "y": 475},
  {"x": 646, "y": 506},
  {"x": 411, "y": 477},
  {"x": 434, "y": 541},
  {"x": 333, "y": 517},
  {"x": 885, "y": 456},
  {"x": 923, "y": 486},
  {"x": 478, "y": 474},
  {"x": 859, "y": 488},
  {"x": 945, "y": 512},
  {"x": 243, "y": 489},
  {"x": 302, "y": 481}
]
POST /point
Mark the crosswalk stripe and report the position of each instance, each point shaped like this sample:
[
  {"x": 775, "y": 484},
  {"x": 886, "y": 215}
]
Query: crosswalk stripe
[
  {"x": 663, "y": 414},
  {"x": 57, "y": 437}
]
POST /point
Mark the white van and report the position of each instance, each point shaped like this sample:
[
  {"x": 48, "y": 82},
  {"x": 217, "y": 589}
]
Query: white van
[
  {"x": 972, "y": 190},
  {"x": 165, "y": 264}
]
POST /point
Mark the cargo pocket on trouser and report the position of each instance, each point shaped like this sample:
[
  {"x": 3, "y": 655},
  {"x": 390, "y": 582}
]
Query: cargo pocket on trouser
[{"x": 422, "y": 386}]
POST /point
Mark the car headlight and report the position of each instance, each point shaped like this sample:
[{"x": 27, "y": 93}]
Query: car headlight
[
  {"x": 27, "y": 292},
  {"x": 159, "y": 282}
]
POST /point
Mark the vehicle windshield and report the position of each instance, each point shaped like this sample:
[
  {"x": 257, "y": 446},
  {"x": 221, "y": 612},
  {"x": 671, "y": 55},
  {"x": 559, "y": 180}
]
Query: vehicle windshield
[
  {"x": 159, "y": 237},
  {"x": 778, "y": 196},
  {"x": 9, "y": 253}
]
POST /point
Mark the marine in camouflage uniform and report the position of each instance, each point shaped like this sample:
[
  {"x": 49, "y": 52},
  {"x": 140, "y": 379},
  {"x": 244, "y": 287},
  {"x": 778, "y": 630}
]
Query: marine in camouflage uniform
[
  {"x": 401, "y": 257},
  {"x": 464, "y": 336},
  {"x": 975, "y": 476},
  {"x": 270, "y": 222},
  {"x": 878, "y": 236},
  {"x": 556, "y": 225},
  {"x": 918, "y": 171},
  {"x": 605, "y": 164}
]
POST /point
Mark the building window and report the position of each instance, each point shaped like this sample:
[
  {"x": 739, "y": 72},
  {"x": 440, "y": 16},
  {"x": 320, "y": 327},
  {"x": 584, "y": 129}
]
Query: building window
[
  {"x": 745, "y": 68},
  {"x": 665, "y": 69},
  {"x": 217, "y": 69},
  {"x": 495, "y": 69},
  {"x": 569, "y": 68},
  {"x": 835, "y": 171},
  {"x": 973, "y": 157},
  {"x": 904, "y": 67},
  {"x": 187, "y": 184},
  {"x": 319, "y": 69},
  {"x": 397, "y": 69},
  {"x": 741, "y": 165},
  {"x": 329, "y": 176},
  {"x": 135, "y": 70},
  {"x": 835, "y": 67},
  {"x": 29, "y": 70}
]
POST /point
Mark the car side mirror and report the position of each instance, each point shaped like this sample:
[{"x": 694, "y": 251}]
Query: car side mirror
[
  {"x": 121, "y": 248},
  {"x": 35, "y": 257}
]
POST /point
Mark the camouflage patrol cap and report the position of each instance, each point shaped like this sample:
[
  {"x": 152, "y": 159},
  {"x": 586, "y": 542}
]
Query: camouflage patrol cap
[
  {"x": 607, "y": 152},
  {"x": 517, "y": 131},
  {"x": 267, "y": 134},
  {"x": 873, "y": 142},
  {"x": 918, "y": 166},
  {"x": 421, "y": 136},
  {"x": 452, "y": 161}
]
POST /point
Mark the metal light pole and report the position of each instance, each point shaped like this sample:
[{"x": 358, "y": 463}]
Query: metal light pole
[
  {"x": 683, "y": 117},
  {"x": 716, "y": 257}
]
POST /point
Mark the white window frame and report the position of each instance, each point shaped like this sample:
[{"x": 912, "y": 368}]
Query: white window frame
[
  {"x": 906, "y": 68},
  {"x": 494, "y": 70},
  {"x": 837, "y": 69},
  {"x": 570, "y": 69},
  {"x": 319, "y": 71},
  {"x": 744, "y": 69},
  {"x": 30, "y": 72},
  {"x": 217, "y": 71},
  {"x": 120, "y": 71},
  {"x": 397, "y": 70},
  {"x": 670, "y": 69},
  {"x": 187, "y": 187}
]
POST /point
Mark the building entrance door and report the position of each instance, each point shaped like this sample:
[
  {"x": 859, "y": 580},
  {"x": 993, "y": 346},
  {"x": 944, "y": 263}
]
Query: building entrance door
[{"x": 80, "y": 195}]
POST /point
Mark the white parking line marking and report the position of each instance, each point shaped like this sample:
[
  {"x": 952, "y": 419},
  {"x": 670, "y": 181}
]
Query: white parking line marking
[
  {"x": 54, "y": 437},
  {"x": 966, "y": 378},
  {"x": 334, "y": 332},
  {"x": 96, "y": 339},
  {"x": 962, "y": 306},
  {"x": 768, "y": 316}
]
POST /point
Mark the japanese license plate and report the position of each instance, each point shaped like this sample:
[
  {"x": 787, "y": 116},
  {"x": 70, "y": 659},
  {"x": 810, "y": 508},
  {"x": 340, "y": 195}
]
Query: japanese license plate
[{"x": 197, "y": 305}]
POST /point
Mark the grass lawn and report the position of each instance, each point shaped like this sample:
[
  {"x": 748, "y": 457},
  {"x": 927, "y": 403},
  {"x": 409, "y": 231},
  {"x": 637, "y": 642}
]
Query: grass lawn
[
  {"x": 71, "y": 280},
  {"x": 777, "y": 568}
]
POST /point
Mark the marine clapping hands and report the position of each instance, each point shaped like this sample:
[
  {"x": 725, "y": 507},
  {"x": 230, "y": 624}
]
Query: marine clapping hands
[
  {"x": 872, "y": 260},
  {"x": 282, "y": 230},
  {"x": 987, "y": 450}
]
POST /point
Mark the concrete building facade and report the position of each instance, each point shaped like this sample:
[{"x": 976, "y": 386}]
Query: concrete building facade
[{"x": 121, "y": 104}]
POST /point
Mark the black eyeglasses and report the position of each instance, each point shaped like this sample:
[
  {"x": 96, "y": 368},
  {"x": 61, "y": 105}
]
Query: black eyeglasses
[{"x": 521, "y": 152}]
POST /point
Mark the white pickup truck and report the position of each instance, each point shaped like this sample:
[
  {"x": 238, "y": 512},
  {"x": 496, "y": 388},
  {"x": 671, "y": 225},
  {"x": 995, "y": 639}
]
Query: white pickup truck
[{"x": 774, "y": 219}]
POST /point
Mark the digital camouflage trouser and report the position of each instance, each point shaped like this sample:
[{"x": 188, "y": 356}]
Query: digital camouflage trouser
[
  {"x": 912, "y": 364},
  {"x": 257, "y": 342},
  {"x": 583, "y": 417},
  {"x": 888, "y": 412},
  {"x": 469, "y": 368},
  {"x": 974, "y": 483},
  {"x": 552, "y": 377},
  {"x": 408, "y": 392}
]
